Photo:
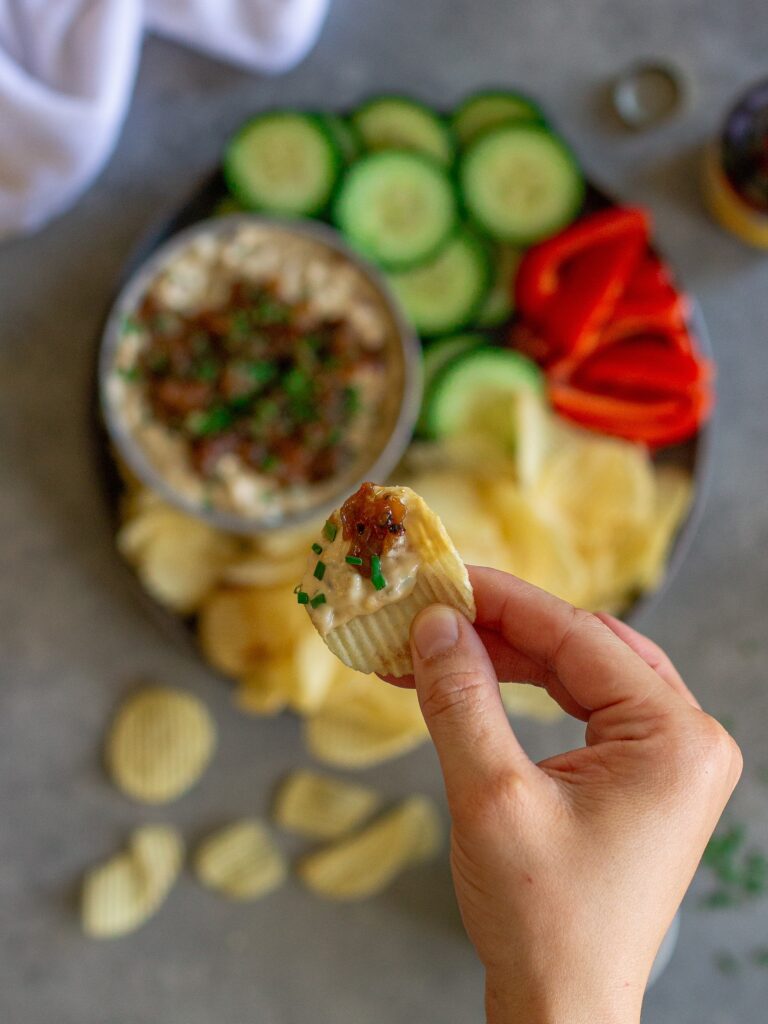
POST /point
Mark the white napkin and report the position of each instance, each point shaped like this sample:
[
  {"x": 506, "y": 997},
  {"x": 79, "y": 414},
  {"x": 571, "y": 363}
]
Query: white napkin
[{"x": 66, "y": 74}]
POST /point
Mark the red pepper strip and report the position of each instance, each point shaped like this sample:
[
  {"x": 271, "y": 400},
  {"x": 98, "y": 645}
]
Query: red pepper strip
[
  {"x": 657, "y": 424},
  {"x": 642, "y": 365},
  {"x": 665, "y": 304},
  {"x": 589, "y": 289},
  {"x": 539, "y": 274},
  {"x": 650, "y": 277}
]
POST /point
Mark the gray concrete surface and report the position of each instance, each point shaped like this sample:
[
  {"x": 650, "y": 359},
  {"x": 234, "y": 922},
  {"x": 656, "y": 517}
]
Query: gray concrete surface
[{"x": 74, "y": 637}]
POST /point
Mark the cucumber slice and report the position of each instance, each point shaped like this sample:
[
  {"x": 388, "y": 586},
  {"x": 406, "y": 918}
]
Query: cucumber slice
[
  {"x": 521, "y": 183},
  {"x": 397, "y": 208},
  {"x": 487, "y": 109},
  {"x": 437, "y": 355},
  {"x": 344, "y": 134},
  {"x": 499, "y": 303},
  {"x": 283, "y": 162},
  {"x": 443, "y": 294},
  {"x": 395, "y": 122},
  {"x": 472, "y": 394}
]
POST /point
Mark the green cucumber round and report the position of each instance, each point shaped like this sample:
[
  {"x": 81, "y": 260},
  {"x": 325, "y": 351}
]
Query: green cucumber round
[
  {"x": 397, "y": 122},
  {"x": 437, "y": 354},
  {"x": 487, "y": 109},
  {"x": 471, "y": 393},
  {"x": 521, "y": 183},
  {"x": 395, "y": 207},
  {"x": 444, "y": 294},
  {"x": 283, "y": 162}
]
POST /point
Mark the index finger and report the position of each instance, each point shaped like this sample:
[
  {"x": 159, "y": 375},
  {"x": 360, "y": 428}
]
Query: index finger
[{"x": 593, "y": 664}]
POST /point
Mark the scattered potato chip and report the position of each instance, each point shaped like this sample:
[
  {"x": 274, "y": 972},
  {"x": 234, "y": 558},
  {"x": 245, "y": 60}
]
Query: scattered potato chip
[
  {"x": 530, "y": 701},
  {"x": 177, "y": 557},
  {"x": 124, "y": 892},
  {"x": 160, "y": 743},
  {"x": 364, "y": 722},
  {"x": 674, "y": 493},
  {"x": 366, "y": 621},
  {"x": 240, "y": 861},
  {"x": 238, "y": 627},
  {"x": 364, "y": 864},
  {"x": 322, "y": 807},
  {"x": 264, "y": 690}
]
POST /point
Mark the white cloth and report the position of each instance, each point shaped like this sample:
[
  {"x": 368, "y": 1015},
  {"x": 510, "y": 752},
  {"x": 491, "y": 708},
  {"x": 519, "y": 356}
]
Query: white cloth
[{"x": 66, "y": 74}]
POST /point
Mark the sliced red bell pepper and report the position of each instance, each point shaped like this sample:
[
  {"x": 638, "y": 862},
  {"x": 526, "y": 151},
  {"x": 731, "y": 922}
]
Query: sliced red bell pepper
[
  {"x": 640, "y": 366},
  {"x": 589, "y": 289},
  {"x": 657, "y": 424},
  {"x": 650, "y": 278},
  {"x": 539, "y": 275}
]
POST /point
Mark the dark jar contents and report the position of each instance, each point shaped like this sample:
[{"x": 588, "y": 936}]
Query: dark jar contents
[
  {"x": 372, "y": 519},
  {"x": 737, "y": 169}
]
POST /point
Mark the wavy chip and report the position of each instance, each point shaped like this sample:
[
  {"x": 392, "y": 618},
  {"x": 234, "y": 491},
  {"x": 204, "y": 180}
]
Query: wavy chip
[
  {"x": 367, "y": 862},
  {"x": 238, "y": 627},
  {"x": 364, "y": 722},
  {"x": 159, "y": 744},
  {"x": 530, "y": 701},
  {"x": 321, "y": 807},
  {"x": 240, "y": 861},
  {"x": 365, "y": 623},
  {"x": 124, "y": 892}
]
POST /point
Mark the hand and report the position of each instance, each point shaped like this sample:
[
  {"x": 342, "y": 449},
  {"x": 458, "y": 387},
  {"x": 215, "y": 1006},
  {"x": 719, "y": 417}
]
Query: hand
[{"x": 568, "y": 873}]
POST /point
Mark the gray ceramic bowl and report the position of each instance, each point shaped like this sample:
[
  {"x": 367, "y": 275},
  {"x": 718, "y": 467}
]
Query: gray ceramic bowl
[{"x": 383, "y": 455}]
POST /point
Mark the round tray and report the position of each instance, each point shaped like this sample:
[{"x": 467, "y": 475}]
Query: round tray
[{"x": 694, "y": 455}]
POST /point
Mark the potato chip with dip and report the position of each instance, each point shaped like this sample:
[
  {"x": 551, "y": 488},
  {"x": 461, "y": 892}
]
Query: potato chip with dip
[{"x": 381, "y": 558}]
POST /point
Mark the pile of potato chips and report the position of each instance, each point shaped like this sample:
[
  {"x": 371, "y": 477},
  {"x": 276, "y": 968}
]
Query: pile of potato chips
[{"x": 591, "y": 519}]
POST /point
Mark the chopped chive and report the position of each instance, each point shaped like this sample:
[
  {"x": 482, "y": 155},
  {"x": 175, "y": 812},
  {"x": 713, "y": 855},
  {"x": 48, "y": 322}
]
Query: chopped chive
[
  {"x": 330, "y": 530},
  {"x": 317, "y": 600},
  {"x": 302, "y": 597},
  {"x": 353, "y": 560},
  {"x": 377, "y": 577},
  {"x": 317, "y": 549},
  {"x": 319, "y": 570},
  {"x": 130, "y": 373}
]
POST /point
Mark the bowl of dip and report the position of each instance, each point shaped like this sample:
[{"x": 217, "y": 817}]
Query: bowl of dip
[{"x": 254, "y": 370}]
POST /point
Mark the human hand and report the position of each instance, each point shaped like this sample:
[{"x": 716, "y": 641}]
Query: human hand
[{"x": 568, "y": 873}]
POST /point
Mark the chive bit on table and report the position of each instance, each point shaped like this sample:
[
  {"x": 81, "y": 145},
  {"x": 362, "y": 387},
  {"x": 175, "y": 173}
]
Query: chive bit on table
[
  {"x": 353, "y": 560},
  {"x": 317, "y": 548},
  {"x": 377, "y": 577},
  {"x": 317, "y": 600},
  {"x": 330, "y": 530},
  {"x": 319, "y": 570}
]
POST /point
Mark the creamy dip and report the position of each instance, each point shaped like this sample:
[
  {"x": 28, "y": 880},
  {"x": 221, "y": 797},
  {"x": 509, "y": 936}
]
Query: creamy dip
[
  {"x": 258, "y": 370},
  {"x": 362, "y": 561}
]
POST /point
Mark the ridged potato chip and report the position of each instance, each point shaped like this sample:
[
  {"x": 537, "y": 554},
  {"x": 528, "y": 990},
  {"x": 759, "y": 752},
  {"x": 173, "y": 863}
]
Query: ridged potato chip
[
  {"x": 124, "y": 892},
  {"x": 364, "y": 722},
  {"x": 159, "y": 744},
  {"x": 364, "y": 864},
  {"x": 674, "y": 493},
  {"x": 240, "y": 861},
  {"x": 263, "y": 690},
  {"x": 321, "y": 807},
  {"x": 178, "y": 558},
  {"x": 238, "y": 627},
  {"x": 367, "y": 626}
]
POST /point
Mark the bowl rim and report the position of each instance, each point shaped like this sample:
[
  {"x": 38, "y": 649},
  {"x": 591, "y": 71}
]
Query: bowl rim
[{"x": 136, "y": 284}]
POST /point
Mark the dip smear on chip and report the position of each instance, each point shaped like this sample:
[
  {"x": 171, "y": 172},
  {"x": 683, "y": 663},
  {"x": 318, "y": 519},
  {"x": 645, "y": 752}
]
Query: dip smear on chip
[{"x": 381, "y": 558}]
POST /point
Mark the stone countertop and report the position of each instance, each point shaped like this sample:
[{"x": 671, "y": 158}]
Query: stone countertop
[{"x": 75, "y": 637}]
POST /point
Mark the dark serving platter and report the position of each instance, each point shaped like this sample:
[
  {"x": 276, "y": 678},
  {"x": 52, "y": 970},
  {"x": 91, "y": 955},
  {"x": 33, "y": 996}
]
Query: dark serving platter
[{"x": 693, "y": 455}]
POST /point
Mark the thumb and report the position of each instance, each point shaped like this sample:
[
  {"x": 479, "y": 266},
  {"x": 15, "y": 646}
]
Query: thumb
[{"x": 460, "y": 700}]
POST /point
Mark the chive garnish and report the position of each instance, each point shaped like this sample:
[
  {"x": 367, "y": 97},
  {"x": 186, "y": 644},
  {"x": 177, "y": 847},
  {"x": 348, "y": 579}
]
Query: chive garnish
[
  {"x": 302, "y": 597},
  {"x": 330, "y": 530},
  {"x": 317, "y": 549},
  {"x": 353, "y": 560},
  {"x": 319, "y": 570},
  {"x": 377, "y": 578},
  {"x": 317, "y": 600},
  {"x": 129, "y": 373}
]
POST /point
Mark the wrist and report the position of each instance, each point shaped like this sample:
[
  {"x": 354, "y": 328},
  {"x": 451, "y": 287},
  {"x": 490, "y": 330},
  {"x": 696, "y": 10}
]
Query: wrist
[{"x": 551, "y": 1002}]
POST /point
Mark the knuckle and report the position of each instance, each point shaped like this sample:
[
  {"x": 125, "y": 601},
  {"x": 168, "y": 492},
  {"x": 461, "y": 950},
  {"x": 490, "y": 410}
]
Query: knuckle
[
  {"x": 494, "y": 800},
  {"x": 716, "y": 745},
  {"x": 449, "y": 694}
]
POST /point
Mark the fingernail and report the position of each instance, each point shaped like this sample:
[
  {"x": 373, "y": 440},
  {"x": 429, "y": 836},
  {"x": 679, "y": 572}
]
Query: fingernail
[{"x": 435, "y": 631}]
